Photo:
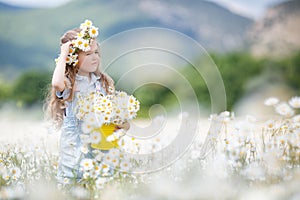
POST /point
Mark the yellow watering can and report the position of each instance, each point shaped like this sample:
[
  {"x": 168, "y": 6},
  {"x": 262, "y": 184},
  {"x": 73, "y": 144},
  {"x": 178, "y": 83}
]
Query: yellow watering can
[{"x": 105, "y": 130}]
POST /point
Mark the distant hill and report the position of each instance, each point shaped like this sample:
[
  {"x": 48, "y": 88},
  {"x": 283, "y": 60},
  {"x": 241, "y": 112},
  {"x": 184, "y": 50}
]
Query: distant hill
[
  {"x": 277, "y": 34},
  {"x": 29, "y": 38}
]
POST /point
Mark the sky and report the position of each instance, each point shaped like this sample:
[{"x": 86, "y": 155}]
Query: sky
[{"x": 250, "y": 8}]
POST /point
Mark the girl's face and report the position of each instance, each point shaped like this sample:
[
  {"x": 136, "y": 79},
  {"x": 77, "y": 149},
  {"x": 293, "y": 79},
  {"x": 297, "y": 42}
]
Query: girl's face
[{"x": 88, "y": 61}]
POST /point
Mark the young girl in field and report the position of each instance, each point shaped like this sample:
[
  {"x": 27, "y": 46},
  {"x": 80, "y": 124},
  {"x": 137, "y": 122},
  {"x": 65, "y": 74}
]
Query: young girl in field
[{"x": 77, "y": 72}]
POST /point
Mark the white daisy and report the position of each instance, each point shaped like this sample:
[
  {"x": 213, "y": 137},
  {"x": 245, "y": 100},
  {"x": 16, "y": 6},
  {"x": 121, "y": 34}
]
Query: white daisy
[
  {"x": 281, "y": 140},
  {"x": 104, "y": 100},
  {"x": 111, "y": 89},
  {"x": 97, "y": 169},
  {"x": 80, "y": 115},
  {"x": 95, "y": 137},
  {"x": 296, "y": 119},
  {"x": 295, "y": 102},
  {"x": 105, "y": 168},
  {"x": 80, "y": 34},
  {"x": 271, "y": 101},
  {"x": 93, "y": 31},
  {"x": 100, "y": 182},
  {"x": 137, "y": 106},
  {"x": 91, "y": 119},
  {"x": 79, "y": 43},
  {"x": 99, "y": 156},
  {"x": 75, "y": 62},
  {"x": 125, "y": 165},
  {"x": 94, "y": 174},
  {"x": 87, "y": 24},
  {"x": 85, "y": 45},
  {"x": 107, "y": 159},
  {"x": 69, "y": 60},
  {"x": 87, "y": 164},
  {"x": 106, "y": 119},
  {"x": 74, "y": 56},
  {"x": 284, "y": 109},
  {"x": 15, "y": 173},
  {"x": 115, "y": 162},
  {"x": 109, "y": 105},
  {"x": 85, "y": 175},
  {"x": 71, "y": 50},
  {"x": 87, "y": 107},
  {"x": 86, "y": 127},
  {"x": 271, "y": 124},
  {"x": 84, "y": 149},
  {"x": 114, "y": 152},
  {"x": 6, "y": 176},
  {"x": 131, "y": 100},
  {"x": 99, "y": 109},
  {"x": 132, "y": 115},
  {"x": 130, "y": 108}
]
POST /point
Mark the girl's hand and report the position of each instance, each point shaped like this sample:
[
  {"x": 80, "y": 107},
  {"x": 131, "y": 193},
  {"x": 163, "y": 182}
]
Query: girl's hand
[
  {"x": 64, "y": 49},
  {"x": 124, "y": 126}
]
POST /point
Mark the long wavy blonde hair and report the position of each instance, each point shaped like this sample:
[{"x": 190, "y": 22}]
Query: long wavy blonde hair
[{"x": 54, "y": 107}]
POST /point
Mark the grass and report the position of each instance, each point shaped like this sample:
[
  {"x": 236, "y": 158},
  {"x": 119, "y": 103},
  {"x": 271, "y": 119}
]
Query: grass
[{"x": 240, "y": 158}]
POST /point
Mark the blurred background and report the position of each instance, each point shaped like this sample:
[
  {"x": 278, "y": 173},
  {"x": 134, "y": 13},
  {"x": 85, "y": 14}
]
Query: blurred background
[{"x": 255, "y": 45}]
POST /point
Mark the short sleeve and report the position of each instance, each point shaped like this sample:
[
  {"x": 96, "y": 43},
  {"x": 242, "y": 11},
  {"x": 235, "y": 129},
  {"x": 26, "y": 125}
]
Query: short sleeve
[{"x": 64, "y": 94}]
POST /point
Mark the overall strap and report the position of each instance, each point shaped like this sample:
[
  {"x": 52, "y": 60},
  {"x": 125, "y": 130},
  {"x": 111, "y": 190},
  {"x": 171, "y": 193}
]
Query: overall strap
[{"x": 99, "y": 88}]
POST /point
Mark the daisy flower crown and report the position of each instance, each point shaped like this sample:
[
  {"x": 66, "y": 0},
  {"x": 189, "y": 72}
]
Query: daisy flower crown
[{"x": 82, "y": 42}]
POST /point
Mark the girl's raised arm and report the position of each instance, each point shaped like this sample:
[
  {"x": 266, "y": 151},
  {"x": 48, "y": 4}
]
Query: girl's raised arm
[{"x": 58, "y": 77}]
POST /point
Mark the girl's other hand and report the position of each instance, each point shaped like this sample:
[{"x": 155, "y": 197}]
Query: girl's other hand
[{"x": 124, "y": 126}]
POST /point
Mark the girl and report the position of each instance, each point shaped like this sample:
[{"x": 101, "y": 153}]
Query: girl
[{"x": 77, "y": 72}]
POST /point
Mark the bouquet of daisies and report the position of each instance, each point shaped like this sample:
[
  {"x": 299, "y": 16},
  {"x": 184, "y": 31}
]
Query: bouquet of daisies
[{"x": 102, "y": 113}]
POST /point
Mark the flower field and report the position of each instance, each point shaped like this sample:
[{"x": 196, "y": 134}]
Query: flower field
[{"x": 230, "y": 157}]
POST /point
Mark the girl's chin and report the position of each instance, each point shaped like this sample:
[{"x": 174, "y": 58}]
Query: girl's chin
[{"x": 93, "y": 68}]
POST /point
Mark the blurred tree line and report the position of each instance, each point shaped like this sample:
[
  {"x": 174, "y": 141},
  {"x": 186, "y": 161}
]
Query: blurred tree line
[
  {"x": 236, "y": 69},
  {"x": 30, "y": 88}
]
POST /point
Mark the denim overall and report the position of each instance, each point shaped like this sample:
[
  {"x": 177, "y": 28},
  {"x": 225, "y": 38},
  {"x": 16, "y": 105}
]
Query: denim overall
[{"x": 70, "y": 142}]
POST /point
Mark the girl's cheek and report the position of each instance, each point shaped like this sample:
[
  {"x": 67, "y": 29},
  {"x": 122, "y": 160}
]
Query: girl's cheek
[{"x": 82, "y": 63}]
